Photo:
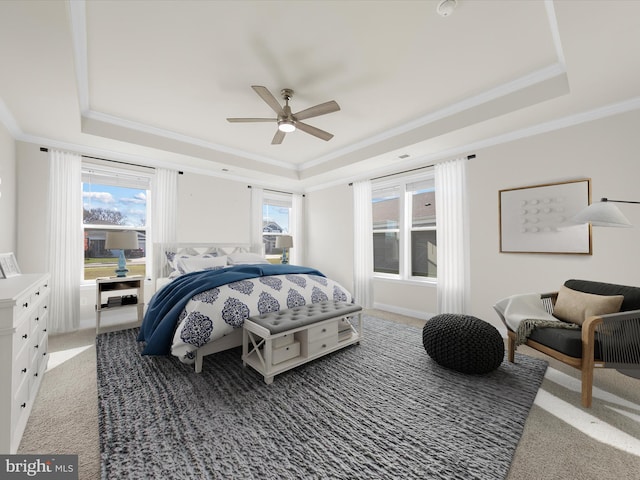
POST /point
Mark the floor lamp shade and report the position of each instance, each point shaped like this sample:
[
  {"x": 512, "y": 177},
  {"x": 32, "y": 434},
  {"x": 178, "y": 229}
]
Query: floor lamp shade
[
  {"x": 602, "y": 214},
  {"x": 284, "y": 242},
  {"x": 122, "y": 241}
]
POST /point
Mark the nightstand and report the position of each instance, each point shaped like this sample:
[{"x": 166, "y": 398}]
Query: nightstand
[{"x": 119, "y": 292}]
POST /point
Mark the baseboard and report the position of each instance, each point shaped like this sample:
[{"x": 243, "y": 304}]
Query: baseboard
[{"x": 403, "y": 311}]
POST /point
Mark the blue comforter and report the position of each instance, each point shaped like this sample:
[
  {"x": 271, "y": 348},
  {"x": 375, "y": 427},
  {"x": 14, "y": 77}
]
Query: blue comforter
[{"x": 164, "y": 309}]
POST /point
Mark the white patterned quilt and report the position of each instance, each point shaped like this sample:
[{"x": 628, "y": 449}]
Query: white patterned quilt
[{"x": 214, "y": 313}]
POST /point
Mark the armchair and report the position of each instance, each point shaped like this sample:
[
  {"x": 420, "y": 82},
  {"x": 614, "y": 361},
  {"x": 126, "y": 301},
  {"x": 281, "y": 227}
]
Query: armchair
[{"x": 604, "y": 340}]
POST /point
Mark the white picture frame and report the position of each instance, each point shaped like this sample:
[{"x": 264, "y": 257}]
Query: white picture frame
[
  {"x": 537, "y": 218},
  {"x": 9, "y": 265}
]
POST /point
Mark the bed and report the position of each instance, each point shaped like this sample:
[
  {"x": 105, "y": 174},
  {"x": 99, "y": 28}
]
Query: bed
[{"x": 204, "y": 292}]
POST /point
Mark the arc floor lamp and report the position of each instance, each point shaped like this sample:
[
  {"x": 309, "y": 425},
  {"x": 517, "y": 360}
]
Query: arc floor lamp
[{"x": 604, "y": 214}]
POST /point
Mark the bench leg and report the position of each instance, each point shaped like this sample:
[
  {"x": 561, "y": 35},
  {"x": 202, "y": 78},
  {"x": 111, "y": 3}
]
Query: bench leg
[
  {"x": 245, "y": 347},
  {"x": 198, "y": 362}
]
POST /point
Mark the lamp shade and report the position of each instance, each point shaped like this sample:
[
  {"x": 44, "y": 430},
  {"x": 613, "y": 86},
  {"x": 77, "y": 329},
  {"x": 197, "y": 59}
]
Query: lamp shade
[
  {"x": 122, "y": 240},
  {"x": 284, "y": 241},
  {"x": 602, "y": 214}
]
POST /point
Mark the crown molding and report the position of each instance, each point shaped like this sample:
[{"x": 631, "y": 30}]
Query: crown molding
[
  {"x": 139, "y": 127},
  {"x": 533, "y": 78},
  {"x": 545, "y": 127}
]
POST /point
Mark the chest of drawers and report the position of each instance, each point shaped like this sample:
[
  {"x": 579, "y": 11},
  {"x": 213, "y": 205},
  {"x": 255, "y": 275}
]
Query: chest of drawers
[{"x": 24, "y": 304}]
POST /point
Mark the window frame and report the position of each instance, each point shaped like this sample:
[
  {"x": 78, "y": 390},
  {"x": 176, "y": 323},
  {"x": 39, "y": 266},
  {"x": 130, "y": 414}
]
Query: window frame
[
  {"x": 405, "y": 226},
  {"x": 280, "y": 199},
  {"x": 101, "y": 173}
]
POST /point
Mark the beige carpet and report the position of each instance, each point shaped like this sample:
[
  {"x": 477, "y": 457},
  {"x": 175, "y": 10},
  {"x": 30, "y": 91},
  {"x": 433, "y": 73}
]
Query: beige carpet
[{"x": 64, "y": 419}]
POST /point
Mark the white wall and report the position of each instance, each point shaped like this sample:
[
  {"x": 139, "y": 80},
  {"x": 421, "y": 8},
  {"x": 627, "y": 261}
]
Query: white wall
[
  {"x": 211, "y": 209},
  {"x": 329, "y": 247},
  {"x": 329, "y": 235},
  {"x": 7, "y": 192},
  {"x": 604, "y": 150},
  {"x": 33, "y": 193}
]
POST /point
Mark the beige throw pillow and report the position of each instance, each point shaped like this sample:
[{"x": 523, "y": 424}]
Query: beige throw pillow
[{"x": 573, "y": 306}]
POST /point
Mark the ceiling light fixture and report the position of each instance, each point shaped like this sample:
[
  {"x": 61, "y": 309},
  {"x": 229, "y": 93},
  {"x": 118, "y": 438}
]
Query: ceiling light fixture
[
  {"x": 286, "y": 126},
  {"x": 446, "y": 7}
]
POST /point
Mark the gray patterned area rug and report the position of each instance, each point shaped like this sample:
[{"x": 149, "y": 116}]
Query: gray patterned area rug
[{"x": 379, "y": 410}]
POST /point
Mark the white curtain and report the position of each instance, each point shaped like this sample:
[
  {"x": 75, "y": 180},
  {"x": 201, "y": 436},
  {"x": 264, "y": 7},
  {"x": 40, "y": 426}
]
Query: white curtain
[
  {"x": 255, "y": 230},
  {"x": 164, "y": 205},
  {"x": 362, "y": 244},
  {"x": 297, "y": 229},
  {"x": 65, "y": 242},
  {"x": 452, "y": 213}
]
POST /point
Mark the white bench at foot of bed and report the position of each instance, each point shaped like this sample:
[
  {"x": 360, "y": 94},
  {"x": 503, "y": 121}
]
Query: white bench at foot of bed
[{"x": 279, "y": 341}]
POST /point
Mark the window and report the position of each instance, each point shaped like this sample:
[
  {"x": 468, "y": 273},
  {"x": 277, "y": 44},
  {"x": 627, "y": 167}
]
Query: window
[
  {"x": 276, "y": 220},
  {"x": 113, "y": 200},
  {"x": 404, "y": 228}
]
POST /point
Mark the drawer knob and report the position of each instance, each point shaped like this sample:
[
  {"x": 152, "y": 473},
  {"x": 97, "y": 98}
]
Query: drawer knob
[
  {"x": 25, "y": 336},
  {"x": 25, "y": 304},
  {"x": 24, "y": 405},
  {"x": 37, "y": 319},
  {"x": 324, "y": 330},
  {"x": 35, "y": 346},
  {"x": 35, "y": 374},
  {"x": 24, "y": 370},
  {"x": 38, "y": 293},
  {"x": 324, "y": 345}
]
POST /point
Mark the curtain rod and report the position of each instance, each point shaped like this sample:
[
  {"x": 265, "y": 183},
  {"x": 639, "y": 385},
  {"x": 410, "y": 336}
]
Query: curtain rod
[
  {"x": 469, "y": 157},
  {"x": 275, "y": 191},
  {"x": 44, "y": 149}
]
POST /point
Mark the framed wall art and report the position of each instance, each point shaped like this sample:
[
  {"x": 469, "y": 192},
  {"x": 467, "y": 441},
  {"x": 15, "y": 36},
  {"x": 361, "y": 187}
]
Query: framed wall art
[
  {"x": 9, "y": 265},
  {"x": 537, "y": 219}
]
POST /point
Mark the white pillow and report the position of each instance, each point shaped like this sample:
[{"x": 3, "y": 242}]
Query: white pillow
[
  {"x": 196, "y": 263},
  {"x": 245, "y": 258}
]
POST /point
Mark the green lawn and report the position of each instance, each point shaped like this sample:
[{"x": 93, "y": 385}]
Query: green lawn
[{"x": 106, "y": 267}]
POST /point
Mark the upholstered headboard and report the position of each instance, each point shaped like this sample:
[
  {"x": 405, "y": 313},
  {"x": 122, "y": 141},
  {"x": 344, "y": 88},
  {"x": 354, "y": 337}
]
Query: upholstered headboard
[{"x": 161, "y": 268}]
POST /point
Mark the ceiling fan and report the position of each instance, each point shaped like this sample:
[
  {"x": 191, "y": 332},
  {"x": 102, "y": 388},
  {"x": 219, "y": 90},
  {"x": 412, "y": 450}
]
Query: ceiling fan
[{"x": 289, "y": 122}]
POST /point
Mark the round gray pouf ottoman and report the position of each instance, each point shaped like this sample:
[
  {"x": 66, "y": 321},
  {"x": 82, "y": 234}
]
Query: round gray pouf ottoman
[{"x": 463, "y": 343}]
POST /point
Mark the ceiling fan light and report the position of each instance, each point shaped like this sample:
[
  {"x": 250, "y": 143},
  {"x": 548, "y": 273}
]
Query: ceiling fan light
[{"x": 286, "y": 126}]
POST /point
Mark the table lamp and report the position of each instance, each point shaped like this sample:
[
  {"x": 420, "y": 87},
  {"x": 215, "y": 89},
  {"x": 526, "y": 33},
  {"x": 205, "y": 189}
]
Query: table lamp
[
  {"x": 285, "y": 242},
  {"x": 122, "y": 241}
]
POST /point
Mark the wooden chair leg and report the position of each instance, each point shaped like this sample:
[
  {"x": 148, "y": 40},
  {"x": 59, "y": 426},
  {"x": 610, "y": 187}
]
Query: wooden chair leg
[
  {"x": 588, "y": 362},
  {"x": 511, "y": 347},
  {"x": 587, "y": 384}
]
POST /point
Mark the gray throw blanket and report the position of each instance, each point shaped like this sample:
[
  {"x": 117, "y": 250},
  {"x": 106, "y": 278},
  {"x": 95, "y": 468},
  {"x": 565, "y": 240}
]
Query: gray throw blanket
[{"x": 528, "y": 325}]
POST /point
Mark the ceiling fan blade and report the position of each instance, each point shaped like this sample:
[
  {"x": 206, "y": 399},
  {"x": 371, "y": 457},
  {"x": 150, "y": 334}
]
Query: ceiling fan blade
[
  {"x": 278, "y": 137},
  {"x": 316, "y": 132},
  {"x": 244, "y": 120},
  {"x": 269, "y": 99},
  {"x": 322, "y": 109}
]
